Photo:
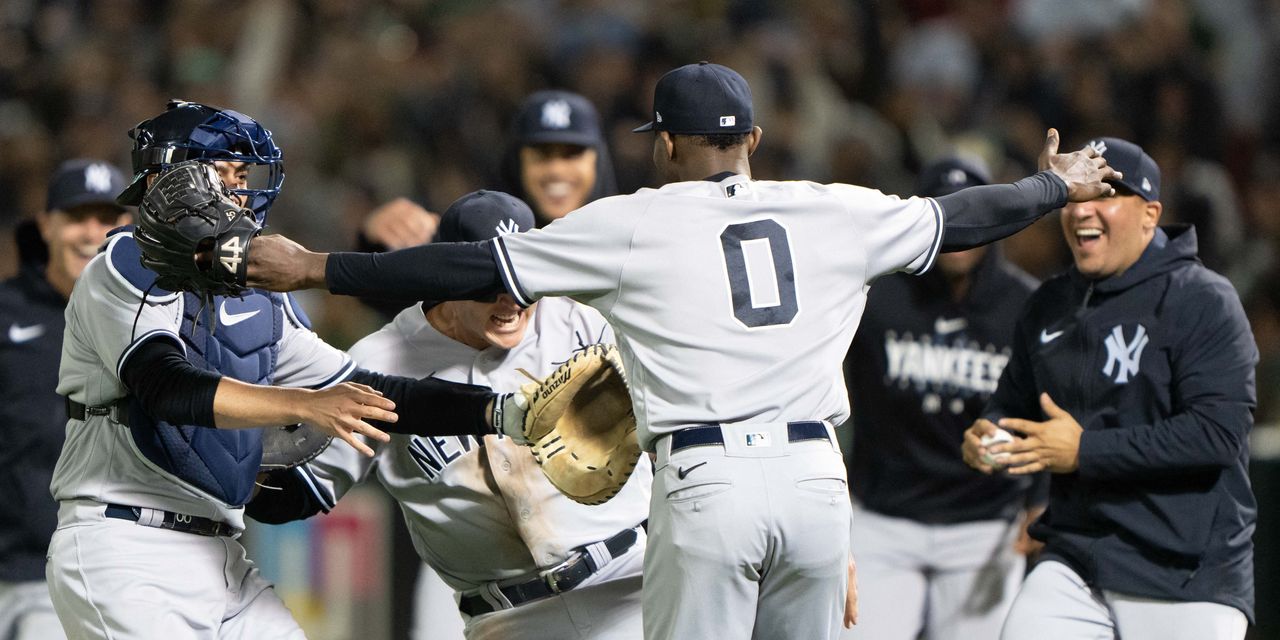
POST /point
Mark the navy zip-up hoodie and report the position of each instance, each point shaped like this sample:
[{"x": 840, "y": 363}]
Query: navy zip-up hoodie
[{"x": 1157, "y": 364}]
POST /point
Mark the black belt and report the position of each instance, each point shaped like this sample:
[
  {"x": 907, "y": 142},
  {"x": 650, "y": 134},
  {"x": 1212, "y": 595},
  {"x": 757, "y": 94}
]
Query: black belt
[
  {"x": 118, "y": 410},
  {"x": 559, "y": 579},
  {"x": 170, "y": 520},
  {"x": 709, "y": 434}
]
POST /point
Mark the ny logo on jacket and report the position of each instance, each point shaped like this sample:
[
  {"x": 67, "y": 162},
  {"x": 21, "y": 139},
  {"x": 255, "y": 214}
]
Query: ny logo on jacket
[{"x": 1123, "y": 358}]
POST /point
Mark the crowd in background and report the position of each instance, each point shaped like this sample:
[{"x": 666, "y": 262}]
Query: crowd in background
[{"x": 376, "y": 100}]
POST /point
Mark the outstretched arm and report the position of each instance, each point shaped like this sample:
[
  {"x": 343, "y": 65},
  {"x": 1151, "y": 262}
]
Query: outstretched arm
[{"x": 981, "y": 215}]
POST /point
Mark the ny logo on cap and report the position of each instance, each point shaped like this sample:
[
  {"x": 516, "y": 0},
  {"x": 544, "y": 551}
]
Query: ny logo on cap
[
  {"x": 1122, "y": 358},
  {"x": 507, "y": 226},
  {"x": 97, "y": 178},
  {"x": 1099, "y": 146},
  {"x": 556, "y": 114},
  {"x": 728, "y": 121}
]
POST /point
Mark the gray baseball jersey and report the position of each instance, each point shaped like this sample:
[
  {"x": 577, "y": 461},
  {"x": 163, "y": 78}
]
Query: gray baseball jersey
[
  {"x": 106, "y": 321},
  {"x": 733, "y": 301},
  {"x": 480, "y": 512}
]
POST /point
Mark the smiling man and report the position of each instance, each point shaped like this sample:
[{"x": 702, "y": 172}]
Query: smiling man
[
  {"x": 81, "y": 209},
  {"x": 1132, "y": 382}
]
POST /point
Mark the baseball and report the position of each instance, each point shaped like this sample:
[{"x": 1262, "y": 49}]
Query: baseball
[{"x": 999, "y": 437}]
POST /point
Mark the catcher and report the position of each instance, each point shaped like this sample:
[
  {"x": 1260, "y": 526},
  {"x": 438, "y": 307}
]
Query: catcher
[
  {"x": 150, "y": 493},
  {"x": 524, "y": 560}
]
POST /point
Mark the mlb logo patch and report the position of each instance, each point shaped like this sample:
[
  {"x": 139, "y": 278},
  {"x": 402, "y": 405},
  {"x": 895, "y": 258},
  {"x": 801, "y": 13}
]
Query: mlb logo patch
[
  {"x": 758, "y": 440},
  {"x": 728, "y": 121}
]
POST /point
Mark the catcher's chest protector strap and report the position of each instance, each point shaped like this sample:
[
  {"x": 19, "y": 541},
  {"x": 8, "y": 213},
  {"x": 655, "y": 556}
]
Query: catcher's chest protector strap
[
  {"x": 245, "y": 346},
  {"x": 125, "y": 260}
]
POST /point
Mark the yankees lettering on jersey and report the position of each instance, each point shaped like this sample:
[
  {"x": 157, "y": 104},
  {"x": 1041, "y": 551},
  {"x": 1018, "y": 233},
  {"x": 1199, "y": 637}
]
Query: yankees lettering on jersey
[
  {"x": 690, "y": 275},
  {"x": 434, "y": 454},
  {"x": 963, "y": 367}
]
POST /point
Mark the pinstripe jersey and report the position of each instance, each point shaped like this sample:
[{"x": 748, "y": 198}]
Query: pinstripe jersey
[
  {"x": 733, "y": 301},
  {"x": 479, "y": 511},
  {"x": 107, "y": 320}
]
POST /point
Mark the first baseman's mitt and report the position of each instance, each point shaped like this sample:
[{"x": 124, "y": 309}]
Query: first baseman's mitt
[
  {"x": 191, "y": 233},
  {"x": 582, "y": 428},
  {"x": 291, "y": 445}
]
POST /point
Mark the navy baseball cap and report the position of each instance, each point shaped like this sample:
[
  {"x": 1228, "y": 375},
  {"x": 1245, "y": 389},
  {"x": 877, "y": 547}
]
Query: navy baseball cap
[
  {"x": 484, "y": 215},
  {"x": 1141, "y": 174},
  {"x": 84, "y": 181},
  {"x": 557, "y": 117},
  {"x": 701, "y": 99},
  {"x": 950, "y": 175}
]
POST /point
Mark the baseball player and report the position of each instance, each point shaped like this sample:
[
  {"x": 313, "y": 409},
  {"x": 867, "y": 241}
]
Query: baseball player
[
  {"x": 558, "y": 159},
  {"x": 81, "y": 209},
  {"x": 150, "y": 495},
  {"x": 734, "y": 302},
  {"x": 934, "y": 541},
  {"x": 526, "y": 561},
  {"x": 1132, "y": 381}
]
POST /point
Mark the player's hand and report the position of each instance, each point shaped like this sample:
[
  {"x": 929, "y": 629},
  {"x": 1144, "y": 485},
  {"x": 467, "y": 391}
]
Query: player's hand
[
  {"x": 277, "y": 263},
  {"x": 400, "y": 224},
  {"x": 972, "y": 450},
  {"x": 341, "y": 411},
  {"x": 1025, "y": 545},
  {"x": 1085, "y": 171},
  {"x": 1053, "y": 444},
  {"x": 851, "y": 597}
]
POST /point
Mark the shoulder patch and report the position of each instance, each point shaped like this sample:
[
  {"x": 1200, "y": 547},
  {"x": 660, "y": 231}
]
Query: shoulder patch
[
  {"x": 297, "y": 315},
  {"x": 124, "y": 259}
]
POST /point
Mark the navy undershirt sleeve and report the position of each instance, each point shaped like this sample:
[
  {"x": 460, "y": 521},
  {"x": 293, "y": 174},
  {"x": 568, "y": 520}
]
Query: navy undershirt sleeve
[
  {"x": 169, "y": 387},
  {"x": 983, "y": 214},
  {"x": 438, "y": 271},
  {"x": 429, "y": 406}
]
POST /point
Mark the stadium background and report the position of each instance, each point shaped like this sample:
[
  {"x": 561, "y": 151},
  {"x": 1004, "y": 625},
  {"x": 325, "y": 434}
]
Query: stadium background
[{"x": 375, "y": 100}]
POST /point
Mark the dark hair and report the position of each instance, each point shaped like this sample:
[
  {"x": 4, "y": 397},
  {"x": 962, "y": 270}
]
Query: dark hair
[{"x": 721, "y": 141}]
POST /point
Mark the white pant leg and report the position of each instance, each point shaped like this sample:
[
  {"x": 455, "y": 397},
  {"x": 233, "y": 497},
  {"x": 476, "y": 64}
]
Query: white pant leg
[
  {"x": 605, "y": 607},
  {"x": 254, "y": 609},
  {"x": 26, "y": 612},
  {"x": 1145, "y": 618},
  {"x": 892, "y": 579},
  {"x": 1055, "y": 604},
  {"x": 975, "y": 575},
  {"x": 115, "y": 579},
  {"x": 802, "y": 594},
  {"x": 435, "y": 609}
]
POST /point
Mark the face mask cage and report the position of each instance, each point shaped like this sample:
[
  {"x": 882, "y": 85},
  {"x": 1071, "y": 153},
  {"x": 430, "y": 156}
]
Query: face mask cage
[{"x": 230, "y": 136}]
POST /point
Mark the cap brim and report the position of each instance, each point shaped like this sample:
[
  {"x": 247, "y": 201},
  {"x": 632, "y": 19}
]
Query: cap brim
[{"x": 648, "y": 126}]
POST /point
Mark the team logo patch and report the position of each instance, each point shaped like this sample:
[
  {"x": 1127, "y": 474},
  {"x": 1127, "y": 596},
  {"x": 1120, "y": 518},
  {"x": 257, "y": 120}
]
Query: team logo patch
[
  {"x": 1123, "y": 358},
  {"x": 1146, "y": 184},
  {"x": 556, "y": 114},
  {"x": 506, "y": 226},
  {"x": 759, "y": 439},
  {"x": 1099, "y": 146},
  {"x": 97, "y": 178},
  {"x": 728, "y": 121}
]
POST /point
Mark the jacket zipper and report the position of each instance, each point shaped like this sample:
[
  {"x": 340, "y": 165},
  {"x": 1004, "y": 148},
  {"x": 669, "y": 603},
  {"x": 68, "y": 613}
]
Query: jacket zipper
[{"x": 1084, "y": 343}]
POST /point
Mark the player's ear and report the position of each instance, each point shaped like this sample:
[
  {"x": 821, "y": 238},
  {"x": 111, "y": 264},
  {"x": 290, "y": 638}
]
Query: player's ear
[
  {"x": 44, "y": 223},
  {"x": 668, "y": 143},
  {"x": 1151, "y": 215},
  {"x": 753, "y": 139}
]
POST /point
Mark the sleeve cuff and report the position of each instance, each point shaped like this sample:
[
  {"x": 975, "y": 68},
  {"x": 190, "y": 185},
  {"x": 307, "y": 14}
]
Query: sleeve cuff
[
  {"x": 507, "y": 272},
  {"x": 936, "y": 245}
]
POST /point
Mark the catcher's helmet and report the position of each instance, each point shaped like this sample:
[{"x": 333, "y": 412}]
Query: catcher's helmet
[{"x": 194, "y": 131}]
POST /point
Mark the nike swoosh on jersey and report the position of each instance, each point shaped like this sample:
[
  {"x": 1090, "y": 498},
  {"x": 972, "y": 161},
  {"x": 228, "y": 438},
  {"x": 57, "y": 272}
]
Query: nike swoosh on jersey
[
  {"x": 229, "y": 319},
  {"x": 943, "y": 326},
  {"x": 1046, "y": 337},
  {"x": 18, "y": 335},
  {"x": 682, "y": 472}
]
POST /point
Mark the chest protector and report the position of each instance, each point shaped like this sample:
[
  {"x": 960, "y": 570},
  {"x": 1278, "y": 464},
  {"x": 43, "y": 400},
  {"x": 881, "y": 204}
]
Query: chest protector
[
  {"x": 234, "y": 337},
  {"x": 243, "y": 344}
]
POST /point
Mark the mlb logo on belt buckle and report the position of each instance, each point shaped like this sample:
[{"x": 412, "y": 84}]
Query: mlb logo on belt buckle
[{"x": 758, "y": 440}]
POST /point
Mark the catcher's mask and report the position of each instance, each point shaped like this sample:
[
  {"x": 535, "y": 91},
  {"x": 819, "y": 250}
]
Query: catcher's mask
[{"x": 194, "y": 131}]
